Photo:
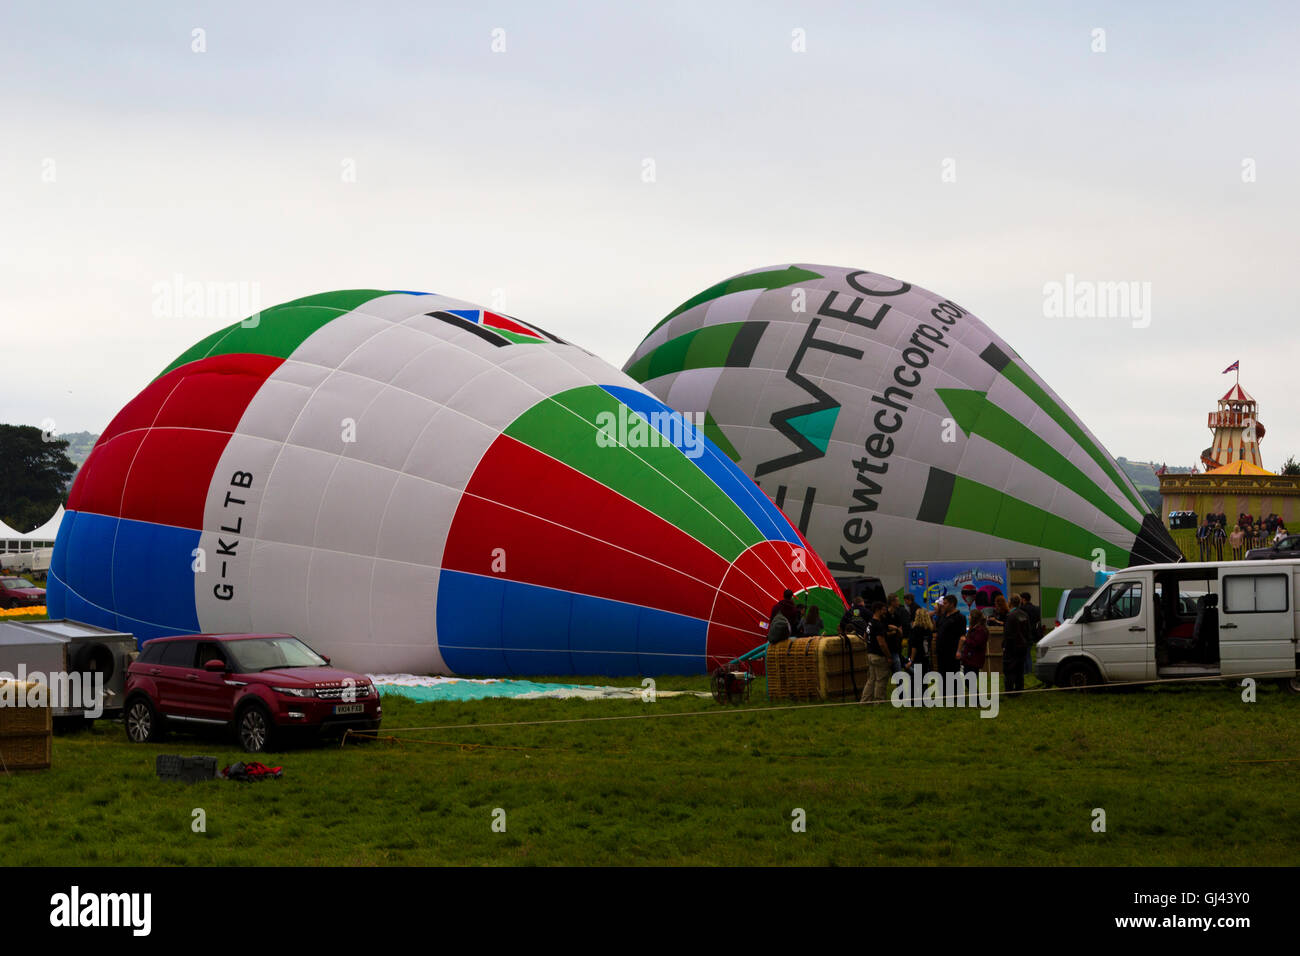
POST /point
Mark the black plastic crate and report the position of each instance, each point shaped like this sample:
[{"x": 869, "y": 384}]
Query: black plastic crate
[{"x": 189, "y": 769}]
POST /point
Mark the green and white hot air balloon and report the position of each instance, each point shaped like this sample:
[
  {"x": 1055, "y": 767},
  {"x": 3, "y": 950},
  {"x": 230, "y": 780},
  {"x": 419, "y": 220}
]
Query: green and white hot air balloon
[{"x": 890, "y": 424}]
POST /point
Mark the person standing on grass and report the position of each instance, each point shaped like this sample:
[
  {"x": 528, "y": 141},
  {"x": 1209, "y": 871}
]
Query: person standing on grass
[
  {"x": 918, "y": 648},
  {"x": 1015, "y": 645},
  {"x": 972, "y": 648},
  {"x": 896, "y": 616},
  {"x": 948, "y": 634},
  {"x": 812, "y": 622},
  {"x": 878, "y": 655},
  {"x": 1035, "y": 614}
]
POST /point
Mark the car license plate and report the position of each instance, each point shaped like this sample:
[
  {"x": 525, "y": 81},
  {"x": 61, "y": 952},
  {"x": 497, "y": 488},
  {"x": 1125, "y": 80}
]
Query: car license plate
[{"x": 349, "y": 708}]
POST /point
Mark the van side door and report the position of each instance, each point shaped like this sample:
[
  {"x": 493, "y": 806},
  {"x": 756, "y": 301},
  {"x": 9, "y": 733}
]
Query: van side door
[{"x": 1256, "y": 623}]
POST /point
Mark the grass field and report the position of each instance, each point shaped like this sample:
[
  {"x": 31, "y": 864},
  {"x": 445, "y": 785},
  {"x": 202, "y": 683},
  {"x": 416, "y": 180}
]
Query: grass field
[{"x": 1171, "y": 767}]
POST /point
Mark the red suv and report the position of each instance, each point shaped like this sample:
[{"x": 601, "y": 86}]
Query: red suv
[{"x": 262, "y": 685}]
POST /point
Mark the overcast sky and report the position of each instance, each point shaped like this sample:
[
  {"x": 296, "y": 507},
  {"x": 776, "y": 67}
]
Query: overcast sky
[{"x": 982, "y": 151}]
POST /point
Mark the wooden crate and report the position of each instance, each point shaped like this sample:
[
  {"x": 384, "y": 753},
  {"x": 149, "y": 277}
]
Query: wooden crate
[
  {"x": 993, "y": 651},
  {"x": 25, "y": 732},
  {"x": 25, "y": 751},
  {"x": 834, "y": 680},
  {"x": 792, "y": 669}
]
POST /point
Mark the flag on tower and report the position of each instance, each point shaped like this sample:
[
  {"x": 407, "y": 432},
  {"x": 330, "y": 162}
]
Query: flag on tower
[{"x": 1232, "y": 368}]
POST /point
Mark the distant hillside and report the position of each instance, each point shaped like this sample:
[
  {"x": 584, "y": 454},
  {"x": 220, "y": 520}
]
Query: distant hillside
[
  {"x": 1141, "y": 473},
  {"x": 79, "y": 445}
]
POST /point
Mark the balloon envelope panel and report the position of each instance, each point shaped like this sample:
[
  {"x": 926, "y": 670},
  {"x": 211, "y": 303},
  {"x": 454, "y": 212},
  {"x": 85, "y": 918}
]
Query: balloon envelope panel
[
  {"x": 891, "y": 424},
  {"x": 411, "y": 482}
]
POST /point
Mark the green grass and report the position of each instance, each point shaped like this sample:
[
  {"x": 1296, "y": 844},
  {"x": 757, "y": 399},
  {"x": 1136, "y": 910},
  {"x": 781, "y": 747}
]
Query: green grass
[{"x": 879, "y": 786}]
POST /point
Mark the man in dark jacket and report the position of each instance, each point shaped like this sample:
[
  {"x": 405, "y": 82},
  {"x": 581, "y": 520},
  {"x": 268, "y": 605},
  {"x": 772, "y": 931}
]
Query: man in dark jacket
[
  {"x": 948, "y": 630},
  {"x": 1015, "y": 643},
  {"x": 897, "y": 616},
  {"x": 1035, "y": 614},
  {"x": 880, "y": 631}
]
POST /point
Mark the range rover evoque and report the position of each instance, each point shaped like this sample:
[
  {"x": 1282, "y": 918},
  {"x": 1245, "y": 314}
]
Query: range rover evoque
[{"x": 265, "y": 687}]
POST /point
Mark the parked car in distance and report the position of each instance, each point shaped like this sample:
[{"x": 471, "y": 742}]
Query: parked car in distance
[
  {"x": 1288, "y": 547},
  {"x": 19, "y": 592},
  {"x": 265, "y": 687},
  {"x": 1071, "y": 600}
]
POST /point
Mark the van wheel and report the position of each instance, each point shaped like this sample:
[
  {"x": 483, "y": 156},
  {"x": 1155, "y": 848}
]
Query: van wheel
[
  {"x": 1078, "y": 674},
  {"x": 143, "y": 725},
  {"x": 253, "y": 727},
  {"x": 1290, "y": 684}
]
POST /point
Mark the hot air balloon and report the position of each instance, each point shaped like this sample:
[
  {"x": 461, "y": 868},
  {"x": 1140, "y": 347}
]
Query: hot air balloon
[
  {"x": 891, "y": 424},
  {"x": 410, "y": 482}
]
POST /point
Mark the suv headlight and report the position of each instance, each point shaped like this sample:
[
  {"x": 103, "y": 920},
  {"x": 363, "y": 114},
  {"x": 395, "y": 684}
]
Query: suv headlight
[{"x": 295, "y": 691}]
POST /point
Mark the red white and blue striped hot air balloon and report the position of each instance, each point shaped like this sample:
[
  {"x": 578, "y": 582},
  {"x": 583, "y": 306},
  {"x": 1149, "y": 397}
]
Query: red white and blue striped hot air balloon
[{"x": 410, "y": 482}]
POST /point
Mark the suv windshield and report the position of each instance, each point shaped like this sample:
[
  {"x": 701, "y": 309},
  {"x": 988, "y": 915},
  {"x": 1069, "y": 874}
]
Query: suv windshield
[{"x": 268, "y": 653}]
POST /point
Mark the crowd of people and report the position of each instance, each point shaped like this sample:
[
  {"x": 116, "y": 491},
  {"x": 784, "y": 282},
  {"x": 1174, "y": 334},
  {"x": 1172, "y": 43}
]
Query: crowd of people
[
  {"x": 789, "y": 620},
  {"x": 904, "y": 636},
  {"x": 1248, "y": 532}
]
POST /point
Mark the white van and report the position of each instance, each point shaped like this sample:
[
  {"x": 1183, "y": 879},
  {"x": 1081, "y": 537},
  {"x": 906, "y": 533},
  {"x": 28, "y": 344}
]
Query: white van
[{"x": 1227, "y": 619}]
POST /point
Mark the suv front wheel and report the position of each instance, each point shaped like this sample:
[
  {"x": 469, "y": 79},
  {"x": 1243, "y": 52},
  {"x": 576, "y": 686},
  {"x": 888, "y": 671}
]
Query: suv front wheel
[
  {"x": 143, "y": 725},
  {"x": 253, "y": 728}
]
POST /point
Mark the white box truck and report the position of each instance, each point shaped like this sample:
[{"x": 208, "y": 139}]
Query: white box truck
[{"x": 1228, "y": 619}]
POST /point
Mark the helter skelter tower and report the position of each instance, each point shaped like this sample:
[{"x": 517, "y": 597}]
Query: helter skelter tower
[{"x": 1237, "y": 430}]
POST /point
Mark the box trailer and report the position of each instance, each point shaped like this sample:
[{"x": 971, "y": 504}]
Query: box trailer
[
  {"x": 974, "y": 583},
  {"x": 72, "y": 660}
]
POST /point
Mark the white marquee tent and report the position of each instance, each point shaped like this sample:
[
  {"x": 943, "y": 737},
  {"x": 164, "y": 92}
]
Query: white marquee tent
[{"x": 42, "y": 537}]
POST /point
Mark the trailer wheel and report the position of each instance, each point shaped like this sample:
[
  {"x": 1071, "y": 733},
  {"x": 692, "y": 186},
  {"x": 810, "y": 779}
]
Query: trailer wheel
[{"x": 1078, "y": 674}]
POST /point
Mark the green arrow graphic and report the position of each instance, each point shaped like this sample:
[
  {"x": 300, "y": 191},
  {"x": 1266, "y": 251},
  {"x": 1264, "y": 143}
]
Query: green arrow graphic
[
  {"x": 713, "y": 431},
  {"x": 1018, "y": 377},
  {"x": 774, "y": 279},
  {"x": 961, "y": 503},
  {"x": 976, "y": 415}
]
